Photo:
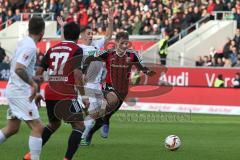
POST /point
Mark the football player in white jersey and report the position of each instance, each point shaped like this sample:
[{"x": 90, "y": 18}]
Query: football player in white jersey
[
  {"x": 95, "y": 73},
  {"x": 22, "y": 89}
]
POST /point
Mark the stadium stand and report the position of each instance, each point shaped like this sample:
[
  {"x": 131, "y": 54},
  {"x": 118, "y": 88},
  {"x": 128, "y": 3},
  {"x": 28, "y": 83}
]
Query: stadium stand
[
  {"x": 138, "y": 17},
  {"x": 227, "y": 56}
]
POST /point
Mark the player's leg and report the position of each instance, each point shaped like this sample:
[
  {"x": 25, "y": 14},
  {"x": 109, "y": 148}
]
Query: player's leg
[
  {"x": 96, "y": 100},
  {"x": 77, "y": 130},
  {"x": 10, "y": 129},
  {"x": 89, "y": 122},
  {"x": 106, "y": 121},
  {"x": 28, "y": 112},
  {"x": 13, "y": 122},
  {"x": 54, "y": 122},
  {"x": 112, "y": 101},
  {"x": 74, "y": 139},
  {"x": 50, "y": 128},
  {"x": 35, "y": 138},
  {"x": 116, "y": 103}
]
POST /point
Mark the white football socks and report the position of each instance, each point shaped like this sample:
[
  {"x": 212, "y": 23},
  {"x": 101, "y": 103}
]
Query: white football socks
[
  {"x": 2, "y": 137},
  {"x": 89, "y": 123},
  {"x": 35, "y": 146}
]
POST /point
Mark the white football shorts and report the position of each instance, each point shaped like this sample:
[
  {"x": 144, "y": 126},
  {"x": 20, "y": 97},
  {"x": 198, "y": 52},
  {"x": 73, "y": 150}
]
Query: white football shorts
[{"x": 23, "y": 109}]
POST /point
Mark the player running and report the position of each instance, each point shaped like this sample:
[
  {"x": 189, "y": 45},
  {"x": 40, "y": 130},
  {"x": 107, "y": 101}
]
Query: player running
[
  {"x": 95, "y": 73},
  {"x": 119, "y": 62},
  {"x": 21, "y": 89},
  {"x": 63, "y": 63}
]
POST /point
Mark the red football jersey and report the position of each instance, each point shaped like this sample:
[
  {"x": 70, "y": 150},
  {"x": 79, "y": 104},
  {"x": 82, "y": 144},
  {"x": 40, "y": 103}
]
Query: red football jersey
[
  {"x": 119, "y": 68},
  {"x": 60, "y": 62}
]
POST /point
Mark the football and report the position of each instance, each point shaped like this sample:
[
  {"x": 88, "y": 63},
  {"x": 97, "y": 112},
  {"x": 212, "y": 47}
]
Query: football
[{"x": 172, "y": 142}]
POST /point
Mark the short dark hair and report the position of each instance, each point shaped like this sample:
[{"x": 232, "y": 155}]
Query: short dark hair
[
  {"x": 84, "y": 28},
  {"x": 36, "y": 25},
  {"x": 71, "y": 31},
  {"x": 122, "y": 35}
]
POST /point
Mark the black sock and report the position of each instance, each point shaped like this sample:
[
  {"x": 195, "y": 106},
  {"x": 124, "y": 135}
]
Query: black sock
[
  {"x": 73, "y": 143},
  {"x": 46, "y": 135},
  {"x": 106, "y": 119}
]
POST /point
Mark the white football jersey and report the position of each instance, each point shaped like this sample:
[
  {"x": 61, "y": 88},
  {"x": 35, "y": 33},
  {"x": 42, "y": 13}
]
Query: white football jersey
[
  {"x": 25, "y": 54},
  {"x": 96, "y": 71}
]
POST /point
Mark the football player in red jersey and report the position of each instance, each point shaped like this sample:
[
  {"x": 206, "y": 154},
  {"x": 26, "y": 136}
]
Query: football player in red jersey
[
  {"x": 119, "y": 62},
  {"x": 63, "y": 63}
]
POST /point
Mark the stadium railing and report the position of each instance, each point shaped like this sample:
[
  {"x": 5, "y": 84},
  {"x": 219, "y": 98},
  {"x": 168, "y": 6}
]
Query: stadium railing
[{"x": 46, "y": 16}]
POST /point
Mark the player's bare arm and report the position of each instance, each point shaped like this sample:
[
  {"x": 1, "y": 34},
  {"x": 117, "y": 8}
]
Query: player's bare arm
[
  {"x": 39, "y": 79},
  {"x": 141, "y": 67},
  {"x": 22, "y": 73},
  {"x": 61, "y": 23},
  {"x": 109, "y": 33}
]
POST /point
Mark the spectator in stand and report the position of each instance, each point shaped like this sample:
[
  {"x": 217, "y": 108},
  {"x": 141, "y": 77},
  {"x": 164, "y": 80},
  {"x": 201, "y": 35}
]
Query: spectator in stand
[
  {"x": 9, "y": 17},
  {"x": 238, "y": 17},
  {"x": 226, "y": 48},
  {"x": 206, "y": 61},
  {"x": 199, "y": 61},
  {"x": 219, "y": 63},
  {"x": 17, "y": 16},
  {"x": 83, "y": 17},
  {"x": 219, "y": 6},
  {"x": 238, "y": 63},
  {"x": 196, "y": 14},
  {"x": 237, "y": 38},
  {"x": 2, "y": 53},
  {"x": 211, "y": 6},
  {"x": 233, "y": 56},
  {"x": 2, "y": 17},
  {"x": 227, "y": 63}
]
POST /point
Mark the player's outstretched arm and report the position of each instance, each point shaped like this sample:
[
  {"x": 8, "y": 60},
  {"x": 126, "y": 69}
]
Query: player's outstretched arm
[
  {"x": 61, "y": 23},
  {"x": 139, "y": 64},
  {"x": 109, "y": 33},
  {"x": 22, "y": 73}
]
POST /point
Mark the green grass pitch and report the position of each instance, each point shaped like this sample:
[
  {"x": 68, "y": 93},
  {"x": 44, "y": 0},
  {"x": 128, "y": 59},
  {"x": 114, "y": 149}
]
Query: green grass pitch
[{"x": 140, "y": 136}]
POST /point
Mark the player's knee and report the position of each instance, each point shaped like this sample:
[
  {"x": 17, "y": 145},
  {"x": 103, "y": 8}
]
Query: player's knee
[
  {"x": 37, "y": 129},
  {"x": 112, "y": 99},
  {"x": 78, "y": 126},
  {"x": 94, "y": 114}
]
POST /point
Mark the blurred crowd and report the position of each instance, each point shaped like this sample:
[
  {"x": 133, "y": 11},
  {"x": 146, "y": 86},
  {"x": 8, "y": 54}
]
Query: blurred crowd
[
  {"x": 227, "y": 56},
  {"x": 138, "y": 17}
]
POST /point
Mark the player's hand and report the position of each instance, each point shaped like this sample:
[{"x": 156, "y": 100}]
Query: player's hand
[
  {"x": 38, "y": 99},
  {"x": 85, "y": 101},
  {"x": 60, "y": 21},
  {"x": 38, "y": 79},
  {"x": 34, "y": 91},
  {"x": 110, "y": 14},
  {"x": 151, "y": 73}
]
